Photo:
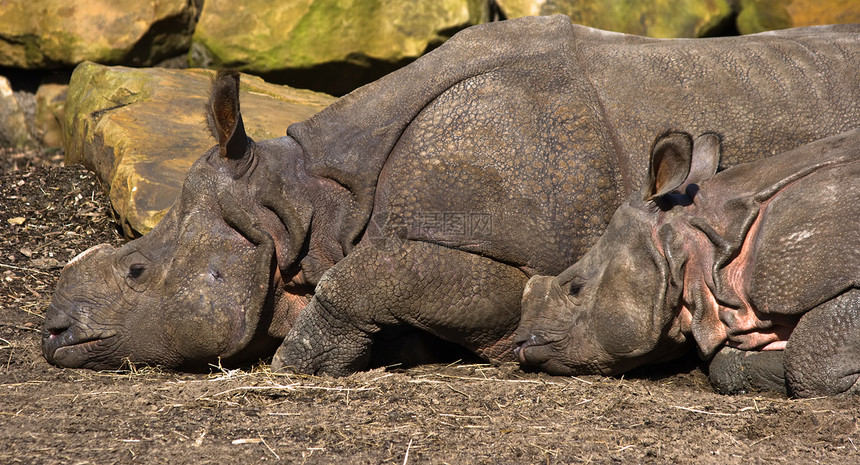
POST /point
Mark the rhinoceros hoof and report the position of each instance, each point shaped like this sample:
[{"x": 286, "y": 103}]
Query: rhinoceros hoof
[
  {"x": 734, "y": 371},
  {"x": 295, "y": 357},
  {"x": 312, "y": 357}
]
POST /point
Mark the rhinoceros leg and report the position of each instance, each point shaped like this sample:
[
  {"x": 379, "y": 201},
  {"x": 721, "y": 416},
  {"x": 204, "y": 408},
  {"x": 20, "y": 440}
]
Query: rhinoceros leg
[
  {"x": 457, "y": 296},
  {"x": 734, "y": 371},
  {"x": 822, "y": 356}
]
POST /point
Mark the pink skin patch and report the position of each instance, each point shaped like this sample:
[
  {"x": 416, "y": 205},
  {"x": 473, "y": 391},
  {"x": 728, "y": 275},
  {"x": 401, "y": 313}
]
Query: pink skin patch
[
  {"x": 745, "y": 327},
  {"x": 289, "y": 304},
  {"x": 715, "y": 325}
]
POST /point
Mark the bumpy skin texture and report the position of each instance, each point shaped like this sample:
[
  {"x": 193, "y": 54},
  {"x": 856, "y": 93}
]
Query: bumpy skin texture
[
  {"x": 819, "y": 360},
  {"x": 512, "y": 143},
  {"x": 455, "y": 296},
  {"x": 759, "y": 259}
]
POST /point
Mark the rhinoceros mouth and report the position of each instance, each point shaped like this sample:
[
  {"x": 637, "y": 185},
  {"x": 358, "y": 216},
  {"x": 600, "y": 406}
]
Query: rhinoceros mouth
[
  {"x": 526, "y": 351},
  {"x": 57, "y": 344},
  {"x": 63, "y": 347},
  {"x": 65, "y": 343}
]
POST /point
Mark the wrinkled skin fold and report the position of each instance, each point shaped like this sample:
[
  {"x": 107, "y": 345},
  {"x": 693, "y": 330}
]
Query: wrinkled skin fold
[
  {"x": 419, "y": 205},
  {"x": 757, "y": 267}
]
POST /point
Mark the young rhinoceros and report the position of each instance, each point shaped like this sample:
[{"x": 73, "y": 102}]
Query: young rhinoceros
[{"x": 760, "y": 260}]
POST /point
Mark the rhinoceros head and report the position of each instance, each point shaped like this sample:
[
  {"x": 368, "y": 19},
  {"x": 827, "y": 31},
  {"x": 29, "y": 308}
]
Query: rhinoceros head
[
  {"x": 202, "y": 283},
  {"x": 606, "y": 312}
]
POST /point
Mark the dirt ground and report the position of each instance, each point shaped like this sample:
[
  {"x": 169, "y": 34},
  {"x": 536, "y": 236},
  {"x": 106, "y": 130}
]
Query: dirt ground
[{"x": 458, "y": 414}]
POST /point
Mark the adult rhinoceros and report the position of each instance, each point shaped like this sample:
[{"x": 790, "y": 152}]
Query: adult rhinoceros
[{"x": 424, "y": 201}]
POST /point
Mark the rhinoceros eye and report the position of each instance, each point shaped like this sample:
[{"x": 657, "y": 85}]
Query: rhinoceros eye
[
  {"x": 136, "y": 270},
  {"x": 576, "y": 284},
  {"x": 133, "y": 271}
]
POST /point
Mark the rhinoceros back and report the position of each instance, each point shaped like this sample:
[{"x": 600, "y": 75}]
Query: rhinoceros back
[
  {"x": 763, "y": 93},
  {"x": 513, "y": 162},
  {"x": 518, "y": 140},
  {"x": 497, "y": 111}
]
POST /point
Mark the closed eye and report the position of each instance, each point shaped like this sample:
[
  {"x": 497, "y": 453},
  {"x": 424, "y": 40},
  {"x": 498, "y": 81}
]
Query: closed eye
[
  {"x": 136, "y": 270},
  {"x": 576, "y": 285}
]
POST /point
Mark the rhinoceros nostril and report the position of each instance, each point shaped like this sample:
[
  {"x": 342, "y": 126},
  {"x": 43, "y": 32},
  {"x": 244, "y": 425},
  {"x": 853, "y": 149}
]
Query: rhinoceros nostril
[
  {"x": 54, "y": 332},
  {"x": 57, "y": 320},
  {"x": 526, "y": 339}
]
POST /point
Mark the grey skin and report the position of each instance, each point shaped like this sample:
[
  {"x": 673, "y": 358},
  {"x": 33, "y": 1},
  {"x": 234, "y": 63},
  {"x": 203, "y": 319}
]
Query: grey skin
[
  {"x": 760, "y": 260},
  {"x": 423, "y": 202}
]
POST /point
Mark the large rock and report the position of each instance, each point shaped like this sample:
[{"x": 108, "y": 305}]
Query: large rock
[
  {"x": 50, "y": 111},
  {"x": 767, "y": 15},
  {"x": 653, "y": 18},
  {"x": 141, "y": 129},
  {"x": 326, "y": 38},
  {"x": 14, "y": 131},
  {"x": 54, "y": 33}
]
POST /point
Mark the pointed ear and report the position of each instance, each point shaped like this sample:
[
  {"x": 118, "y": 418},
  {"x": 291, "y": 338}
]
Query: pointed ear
[
  {"x": 671, "y": 157},
  {"x": 223, "y": 116},
  {"x": 706, "y": 159}
]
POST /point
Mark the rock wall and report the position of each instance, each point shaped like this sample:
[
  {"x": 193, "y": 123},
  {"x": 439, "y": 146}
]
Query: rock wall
[
  {"x": 49, "y": 34},
  {"x": 653, "y": 18},
  {"x": 330, "y": 45},
  {"x": 767, "y": 15},
  {"x": 289, "y": 38}
]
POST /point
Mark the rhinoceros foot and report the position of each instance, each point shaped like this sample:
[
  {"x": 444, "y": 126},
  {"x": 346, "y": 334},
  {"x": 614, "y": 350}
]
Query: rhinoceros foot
[{"x": 734, "y": 371}]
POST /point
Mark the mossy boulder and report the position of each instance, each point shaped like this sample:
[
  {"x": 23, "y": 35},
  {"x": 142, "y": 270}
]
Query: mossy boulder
[
  {"x": 51, "y": 33},
  {"x": 326, "y": 38},
  {"x": 652, "y": 18},
  {"x": 140, "y": 130},
  {"x": 767, "y": 15}
]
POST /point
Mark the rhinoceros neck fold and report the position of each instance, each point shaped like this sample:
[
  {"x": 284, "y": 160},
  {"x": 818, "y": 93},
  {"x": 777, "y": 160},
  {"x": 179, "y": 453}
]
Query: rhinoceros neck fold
[{"x": 722, "y": 234}]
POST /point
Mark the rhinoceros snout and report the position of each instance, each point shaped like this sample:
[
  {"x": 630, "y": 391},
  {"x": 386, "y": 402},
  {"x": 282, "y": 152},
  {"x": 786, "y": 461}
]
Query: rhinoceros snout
[
  {"x": 57, "y": 321},
  {"x": 67, "y": 341},
  {"x": 55, "y": 332},
  {"x": 519, "y": 350},
  {"x": 70, "y": 334}
]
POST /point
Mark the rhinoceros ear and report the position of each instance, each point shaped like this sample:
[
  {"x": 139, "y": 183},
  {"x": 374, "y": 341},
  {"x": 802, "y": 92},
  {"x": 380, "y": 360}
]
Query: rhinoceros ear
[
  {"x": 223, "y": 116},
  {"x": 671, "y": 157},
  {"x": 706, "y": 159}
]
